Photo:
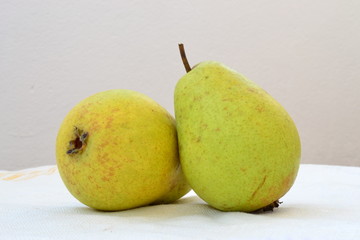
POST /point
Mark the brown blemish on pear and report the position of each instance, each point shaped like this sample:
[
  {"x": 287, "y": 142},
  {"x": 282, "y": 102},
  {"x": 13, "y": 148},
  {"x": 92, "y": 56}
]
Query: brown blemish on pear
[{"x": 258, "y": 188}]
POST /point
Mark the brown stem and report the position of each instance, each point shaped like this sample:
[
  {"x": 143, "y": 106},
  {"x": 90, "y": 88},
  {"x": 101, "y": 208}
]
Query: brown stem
[{"x": 183, "y": 57}]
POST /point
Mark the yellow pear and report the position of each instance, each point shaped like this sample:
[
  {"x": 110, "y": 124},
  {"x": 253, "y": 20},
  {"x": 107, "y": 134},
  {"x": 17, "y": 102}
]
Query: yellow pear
[{"x": 118, "y": 150}]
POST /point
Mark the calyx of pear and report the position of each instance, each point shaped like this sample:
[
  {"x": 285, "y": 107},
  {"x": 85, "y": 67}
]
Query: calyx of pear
[{"x": 239, "y": 148}]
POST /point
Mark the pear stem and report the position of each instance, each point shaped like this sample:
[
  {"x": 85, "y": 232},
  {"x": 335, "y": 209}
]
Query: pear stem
[{"x": 183, "y": 57}]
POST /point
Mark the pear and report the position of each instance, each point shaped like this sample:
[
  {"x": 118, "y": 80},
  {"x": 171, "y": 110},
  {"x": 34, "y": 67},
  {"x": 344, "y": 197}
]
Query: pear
[
  {"x": 239, "y": 148},
  {"x": 117, "y": 150}
]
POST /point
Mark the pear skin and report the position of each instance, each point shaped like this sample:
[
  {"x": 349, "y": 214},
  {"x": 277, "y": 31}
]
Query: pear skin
[
  {"x": 239, "y": 148},
  {"x": 118, "y": 150},
  {"x": 179, "y": 188}
]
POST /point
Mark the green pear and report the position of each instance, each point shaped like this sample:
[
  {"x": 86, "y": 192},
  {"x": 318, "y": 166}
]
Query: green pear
[
  {"x": 239, "y": 148},
  {"x": 117, "y": 150}
]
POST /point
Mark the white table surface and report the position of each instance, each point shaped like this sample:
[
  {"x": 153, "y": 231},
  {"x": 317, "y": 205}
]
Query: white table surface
[{"x": 324, "y": 203}]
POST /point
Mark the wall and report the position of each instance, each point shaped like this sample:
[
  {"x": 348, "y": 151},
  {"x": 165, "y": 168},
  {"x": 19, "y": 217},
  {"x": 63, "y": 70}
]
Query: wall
[{"x": 55, "y": 53}]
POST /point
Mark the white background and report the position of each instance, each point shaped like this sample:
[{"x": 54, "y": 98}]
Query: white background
[{"x": 53, "y": 54}]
